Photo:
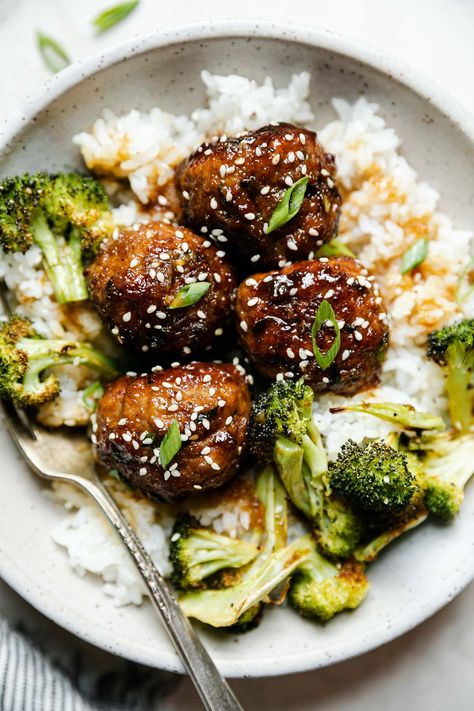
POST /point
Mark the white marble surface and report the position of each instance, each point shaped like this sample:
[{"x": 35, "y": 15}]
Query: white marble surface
[{"x": 431, "y": 667}]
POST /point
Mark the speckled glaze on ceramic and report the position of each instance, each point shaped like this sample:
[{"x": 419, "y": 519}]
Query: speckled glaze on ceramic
[{"x": 416, "y": 576}]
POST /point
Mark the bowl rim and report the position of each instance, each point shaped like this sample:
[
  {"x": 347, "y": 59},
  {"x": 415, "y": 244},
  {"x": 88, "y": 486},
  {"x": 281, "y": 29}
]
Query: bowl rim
[{"x": 394, "y": 68}]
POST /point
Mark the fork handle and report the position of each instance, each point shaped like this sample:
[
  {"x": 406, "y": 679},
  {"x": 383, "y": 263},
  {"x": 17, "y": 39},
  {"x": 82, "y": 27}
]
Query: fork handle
[{"x": 215, "y": 693}]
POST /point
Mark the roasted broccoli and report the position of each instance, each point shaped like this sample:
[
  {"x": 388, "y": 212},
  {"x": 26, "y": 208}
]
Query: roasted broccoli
[
  {"x": 321, "y": 589},
  {"x": 374, "y": 477},
  {"x": 63, "y": 214},
  {"x": 394, "y": 526},
  {"x": 197, "y": 552},
  {"x": 252, "y": 585},
  {"x": 447, "y": 462},
  {"x": 25, "y": 356},
  {"x": 452, "y": 347},
  {"x": 282, "y": 429}
]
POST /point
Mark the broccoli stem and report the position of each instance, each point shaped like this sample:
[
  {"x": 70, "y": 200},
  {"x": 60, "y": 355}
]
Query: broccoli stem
[
  {"x": 460, "y": 391},
  {"x": 369, "y": 551},
  {"x": 62, "y": 263},
  {"x": 46, "y": 353}
]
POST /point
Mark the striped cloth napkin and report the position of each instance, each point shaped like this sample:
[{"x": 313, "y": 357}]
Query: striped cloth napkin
[{"x": 31, "y": 681}]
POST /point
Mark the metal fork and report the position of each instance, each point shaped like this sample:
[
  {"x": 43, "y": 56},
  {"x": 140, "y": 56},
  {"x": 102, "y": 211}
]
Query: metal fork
[{"x": 58, "y": 456}]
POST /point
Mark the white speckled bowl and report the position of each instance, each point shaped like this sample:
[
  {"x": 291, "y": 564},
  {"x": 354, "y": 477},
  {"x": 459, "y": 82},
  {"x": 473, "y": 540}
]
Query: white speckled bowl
[{"x": 415, "y": 577}]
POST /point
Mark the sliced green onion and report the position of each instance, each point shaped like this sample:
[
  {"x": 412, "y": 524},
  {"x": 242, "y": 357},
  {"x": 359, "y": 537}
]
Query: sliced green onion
[
  {"x": 92, "y": 395},
  {"x": 335, "y": 248},
  {"x": 54, "y": 56},
  {"x": 289, "y": 205},
  {"x": 462, "y": 294},
  {"x": 113, "y": 15},
  {"x": 415, "y": 256},
  {"x": 170, "y": 444},
  {"x": 190, "y": 294},
  {"x": 325, "y": 313}
]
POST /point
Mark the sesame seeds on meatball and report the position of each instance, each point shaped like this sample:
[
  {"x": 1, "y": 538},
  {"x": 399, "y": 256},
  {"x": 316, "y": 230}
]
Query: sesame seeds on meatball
[
  {"x": 230, "y": 188},
  {"x": 211, "y": 405},
  {"x": 136, "y": 277},
  {"x": 275, "y": 312}
]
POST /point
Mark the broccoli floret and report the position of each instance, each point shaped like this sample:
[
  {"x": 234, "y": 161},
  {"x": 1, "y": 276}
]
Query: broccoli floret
[
  {"x": 282, "y": 428},
  {"x": 64, "y": 215},
  {"x": 252, "y": 585},
  {"x": 452, "y": 347},
  {"x": 373, "y": 477},
  {"x": 447, "y": 462},
  {"x": 284, "y": 410},
  {"x": 197, "y": 552},
  {"x": 25, "y": 356},
  {"x": 320, "y": 589},
  {"x": 405, "y": 416}
]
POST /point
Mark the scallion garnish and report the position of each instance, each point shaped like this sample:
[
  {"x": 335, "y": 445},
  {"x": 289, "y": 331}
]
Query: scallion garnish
[
  {"x": 54, "y": 56},
  {"x": 335, "y": 248},
  {"x": 113, "y": 15},
  {"x": 289, "y": 205},
  {"x": 92, "y": 395},
  {"x": 325, "y": 313},
  {"x": 415, "y": 256},
  {"x": 461, "y": 292},
  {"x": 190, "y": 294},
  {"x": 170, "y": 444}
]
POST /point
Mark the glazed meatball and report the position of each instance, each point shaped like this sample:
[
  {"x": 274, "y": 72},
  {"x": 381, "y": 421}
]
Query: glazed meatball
[
  {"x": 232, "y": 186},
  {"x": 211, "y": 405},
  {"x": 136, "y": 277},
  {"x": 276, "y": 311}
]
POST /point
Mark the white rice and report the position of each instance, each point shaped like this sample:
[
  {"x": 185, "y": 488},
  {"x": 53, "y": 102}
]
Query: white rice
[{"x": 386, "y": 208}]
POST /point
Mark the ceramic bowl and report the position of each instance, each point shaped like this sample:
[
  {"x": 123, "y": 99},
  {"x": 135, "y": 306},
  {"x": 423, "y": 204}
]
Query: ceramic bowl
[{"x": 416, "y": 576}]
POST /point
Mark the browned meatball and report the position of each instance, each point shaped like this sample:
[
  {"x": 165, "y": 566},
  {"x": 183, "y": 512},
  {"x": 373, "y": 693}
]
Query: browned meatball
[
  {"x": 233, "y": 185},
  {"x": 210, "y": 403},
  {"x": 276, "y": 311},
  {"x": 136, "y": 276}
]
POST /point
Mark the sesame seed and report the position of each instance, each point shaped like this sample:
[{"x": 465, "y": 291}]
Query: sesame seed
[
  {"x": 126, "y": 317},
  {"x": 288, "y": 136},
  {"x": 127, "y": 437},
  {"x": 255, "y": 258},
  {"x": 196, "y": 486},
  {"x": 122, "y": 421},
  {"x": 291, "y": 157},
  {"x": 252, "y": 301},
  {"x": 228, "y": 196},
  {"x": 115, "y": 331},
  {"x": 276, "y": 159},
  {"x": 223, "y": 170},
  {"x": 205, "y": 423},
  {"x": 243, "y": 326},
  {"x": 329, "y": 293},
  {"x": 201, "y": 315},
  {"x": 151, "y": 309},
  {"x": 300, "y": 155},
  {"x": 208, "y": 459},
  {"x": 112, "y": 435},
  {"x": 249, "y": 216},
  {"x": 345, "y": 355},
  {"x": 185, "y": 194},
  {"x": 304, "y": 168},
  {"x": 289, "y": 180},
  {"x": 173, "y": 407},
  {"x": 161, "y": 314},
  {"x": 222, "y": 403},
  {"x": 213, "y": 203},
  {"x": 358, "y": 336},
  {"x": 330, "y": 183},
  {"x": 325, "y": 380},
  {"x": 159, "y": 423},
  {"x": 313, "y": 232},
  {"x": 290, "y": 353},
  {"x": 302, "y": 138},
  {"x": 291, "y": 244},
  {"x": 215, "y": 466},
  {"x": 229, "y": 420},
  {"x": 134, "y": 262},
  {"x": 143, "y": 471},
  {"x": 265, "y": 190}
]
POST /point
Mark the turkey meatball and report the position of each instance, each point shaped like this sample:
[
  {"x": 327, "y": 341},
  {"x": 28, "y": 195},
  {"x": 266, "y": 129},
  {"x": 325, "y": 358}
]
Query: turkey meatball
[
  {"x": 275, "y": 315},
  {"x": 230, "y": 188},
  {"x": 139, "y": 284},
  {"x": 210, "y": 404}
]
